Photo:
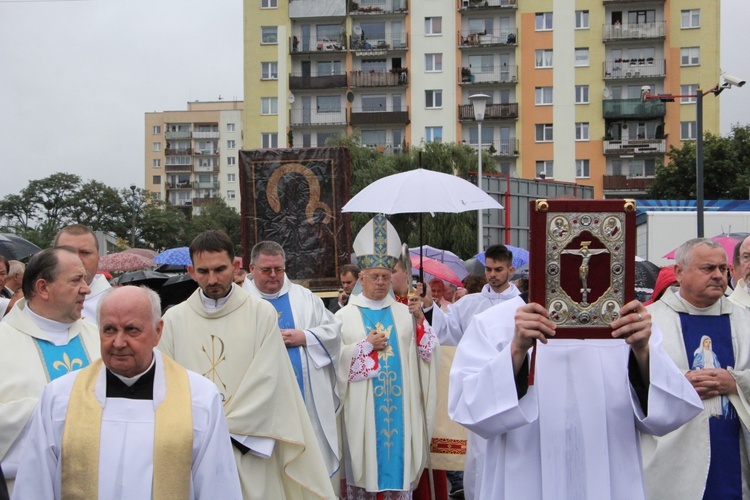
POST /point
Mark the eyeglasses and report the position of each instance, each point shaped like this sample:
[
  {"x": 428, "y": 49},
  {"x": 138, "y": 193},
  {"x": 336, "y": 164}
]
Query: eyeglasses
[
  {"x": 745, "y": 258},
  {"x": 268, "y": 270},
  {"x": 378, "y": 278}
]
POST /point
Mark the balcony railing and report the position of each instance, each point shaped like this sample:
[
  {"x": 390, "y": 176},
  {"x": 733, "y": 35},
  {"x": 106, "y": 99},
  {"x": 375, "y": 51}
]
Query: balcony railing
[
  {"x": 503, "y": 149},
  {"x": 178, "y": 134},
  {"x": 374, "y": 8},
  {"x": 311, "y": 44},
  {"x": 178, "y": 152},
  {"x": 633, "y": 108},
  {"x": 624, "y": 183},
  {"x": 207, "y": 185},
  {"x": 179, "y": 168},
  {"x": 492, "y": 38},
  {"x": 488, "y": 74},
  {"x": 211, "y": 134},
  {"x": 305, "y": 9},
  {"x": 505, "y": 111},
  {"x": 309, "y": 117},
  {"x": 298, "y": 81},
  {"x": 640, "y": 31},
  {"x": 635, "y": 146},
  {"x": 378, "y": 116},
  {"x": 377, "y": 79},
  {"x": 206, "y": 152},
  {"x": 179, "y": 185},
  {"x": 487, "y": 4},
  {"x": 634, "y": 68},
  {"x": 373, "y": 46}
]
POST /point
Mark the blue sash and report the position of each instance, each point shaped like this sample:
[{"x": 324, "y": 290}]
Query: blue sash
[
  {"x": 708, "y": 343},
  {"x": 286, "y": 320},
  {"x": 388, "y": 392},
  {"x": 61, "y": 359}
]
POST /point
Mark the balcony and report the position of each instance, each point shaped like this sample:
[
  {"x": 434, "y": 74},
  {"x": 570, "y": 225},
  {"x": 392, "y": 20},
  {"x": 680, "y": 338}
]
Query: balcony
[
  {"x": 306, "y": 45},
  {"x": 640, "y": 31},
  {"x": 499, "y": 149},
  {"x": 178, "y": 168},
  {"x": 298, "y": 81},
  {"x": 488, "y": 74},
  {"x": 206, "y": 200},
  {"x": 635, "y": 147},
  {"x": 179, "y": 185},
  {"x": 212, "y": 134},
  {"x": 634, "y": 69},
  {"x": 207, "y": 185},
  {"x": 302, "y": 117},
  {"x": 206, "y": 152},
  {"x": 493, "y": 38},
  {"x": 633, "y": 109},
  {"x": 304, "y": 9},
  {"x": 378, "y": 47},
  {"x": 178, "y": 134},
  {"x": 377, "y": 79},
  {"x": 379, "y": 116},
  {"x": 507, "y": 111},
  {"x": 464, "y": 5},
  {"x": 212, "y": 168},
  {"x": 625, "y": 183},
  {"x": 178, "y": 152},
  {"x": 377, "y": 7}
]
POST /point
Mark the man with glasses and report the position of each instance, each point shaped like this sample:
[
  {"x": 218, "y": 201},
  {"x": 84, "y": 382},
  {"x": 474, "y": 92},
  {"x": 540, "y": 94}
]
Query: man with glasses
[
  {"x": 388, "y": 372},
  {"x": 311, "y": 336},
  {"x": 741, "y": 268}
]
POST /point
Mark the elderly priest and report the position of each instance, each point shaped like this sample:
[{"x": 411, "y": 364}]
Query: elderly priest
[{"x": 133, "y": 425}]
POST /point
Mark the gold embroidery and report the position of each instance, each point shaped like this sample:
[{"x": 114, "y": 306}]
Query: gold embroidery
[
  {"x": 215, "y": 361},
  {"x": 389, "y": 389},
  {"x": 68, "y": 364}
]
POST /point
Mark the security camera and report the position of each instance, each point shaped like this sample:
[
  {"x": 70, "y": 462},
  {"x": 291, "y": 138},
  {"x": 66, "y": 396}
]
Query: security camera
[{"x": 730, "y": 80}]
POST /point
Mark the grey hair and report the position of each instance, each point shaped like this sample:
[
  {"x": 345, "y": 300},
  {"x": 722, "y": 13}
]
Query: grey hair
[
  {"x": 685, "y": 251},
  {"x": 267, "y": 248},
  {"x": 153, "y": 299}
]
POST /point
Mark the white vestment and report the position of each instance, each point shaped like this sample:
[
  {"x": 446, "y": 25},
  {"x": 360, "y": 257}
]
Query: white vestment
[
  {"x": 683, "y": 455},
  {"x": 127, "y": 443},
  {"x": 25, "y": 374},
  {"x": 98, "y": 286},
  {"x": 740, "y": 295},
  {"x": 574, "y": 434},
  {"x": 319, "y": 361}
]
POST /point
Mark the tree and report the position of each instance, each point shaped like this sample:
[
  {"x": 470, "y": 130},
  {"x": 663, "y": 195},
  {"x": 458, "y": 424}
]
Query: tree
[
  {"x": 161, "y": 225},
  {"x": 217, "y": 215},
  {"x": 102, "y": 208}
]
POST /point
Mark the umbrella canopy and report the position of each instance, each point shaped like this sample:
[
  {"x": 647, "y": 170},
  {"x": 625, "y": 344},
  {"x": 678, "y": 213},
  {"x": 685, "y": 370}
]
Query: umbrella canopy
[
  {"x": 434, "y": 269},
  {"x": 419, "y": 191},
  {"x": 474, "y": 266},
  {"x": 520, "y": 256},
  {"x": 143, "y": 252},
  {"x": 123, "y": 262},
  {"x": 176, "y": 289},
  {"x": 14, "y": 247},
  {"x": 520, "y": 272},
  {"x": 179, "y": 256},
  {"x": 446, "y": 257},
  {"x": 727, "y": 240},
  {"x": 645, "y": 278},
  {"x": 151, "y": 279}
]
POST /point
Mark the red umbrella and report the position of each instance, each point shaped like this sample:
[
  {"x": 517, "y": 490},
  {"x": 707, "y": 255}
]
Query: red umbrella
[
  {"x": 435, "y": 269},
  {"x": 123, "y": 262},
  {"x": 143, "y": 252},
  {"x": 728, "y": 241}
]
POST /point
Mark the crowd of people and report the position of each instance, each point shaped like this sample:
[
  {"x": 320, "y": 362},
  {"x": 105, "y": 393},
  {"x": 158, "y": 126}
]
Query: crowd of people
[{"x": 255, "y": 388}]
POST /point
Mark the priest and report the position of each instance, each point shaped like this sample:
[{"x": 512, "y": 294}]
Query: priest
[{"x": 133, "y": 424}]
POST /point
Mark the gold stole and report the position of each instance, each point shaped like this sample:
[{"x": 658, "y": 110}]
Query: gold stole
[{"x": 173, "y": 437}]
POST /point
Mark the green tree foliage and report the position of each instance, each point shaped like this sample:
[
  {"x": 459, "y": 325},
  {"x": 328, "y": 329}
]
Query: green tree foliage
[
  {"x": 161, "y": 225},
  {"x": 102, "y": 208},
  {"x": 725, "y": 174},
  {"x": 217, "y": 215}
]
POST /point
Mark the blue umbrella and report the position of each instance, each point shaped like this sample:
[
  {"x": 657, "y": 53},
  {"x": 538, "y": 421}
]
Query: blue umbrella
[
  {"x": 179, "y": 256},
  {"x": 520, "y": 256}
]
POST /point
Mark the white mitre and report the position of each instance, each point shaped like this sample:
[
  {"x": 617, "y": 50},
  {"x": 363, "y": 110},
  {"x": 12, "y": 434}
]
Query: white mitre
[{"x": 377, "y": 245}]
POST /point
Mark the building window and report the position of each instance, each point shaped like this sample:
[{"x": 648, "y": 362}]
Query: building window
[
  {"x": 269, "y": 70},
  {"x": 269, "y": 105},
  {"x": 433, "y": 62},
  {"x": 268, "y": 4},
  {"x": 231, "y": 160},
  {"x": 433, "y": 98},
  {"x": 433, "y": 134},
  {"x": 690, "y": 56},
  {"x": 230, "y": 127},
  {"x": 545, "y": 168},
  {"x": 231, "y": 194},
  {"x": 688, "y": 131},
  {"x": 582, "y": 19},
  {"x": 230, "y": 144},
  {"x": 582, "y": 131},
  {"x": 268, "y": 35},
  {"x": 543, "y": 132},
  {"x": 433, "y": 25},
  {"x": 156, "y": 146},
  {"x": 582, "y": 94},
  {"x": 582, "y": 57},
  {"x": 691, "y": 18},
  {"x": 688, "y": 90},
  {"x": 582, "y": 169},
  {"x": 544, "y": 21},
  {"x": 269, "y": 140},
  {"x": 156, "y": 180},
  {"x": 231, "y": 177},
  {"x": 543, "y": 58},
  {"x": 543, "y": 96},
  {"x": 156, "y": 163},
  {"x": 156, "y": 130},
  {"x": 328, "y": 104}
]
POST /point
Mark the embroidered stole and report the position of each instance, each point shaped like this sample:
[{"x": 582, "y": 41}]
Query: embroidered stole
[
  {"x": 173, "y": 437},
  {"x": 58, "y": 360},
  {"x": 388, "y": 397},
  {"x": 286, "y": 320}
]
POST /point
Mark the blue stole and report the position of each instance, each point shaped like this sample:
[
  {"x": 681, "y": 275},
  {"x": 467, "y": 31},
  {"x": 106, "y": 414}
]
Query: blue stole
[
  {"x": 388, "y": 396},
  {"x": 724, "y": 473},
  {"x": 61, "y": 359},
  {"x": 286, "y": 320}
]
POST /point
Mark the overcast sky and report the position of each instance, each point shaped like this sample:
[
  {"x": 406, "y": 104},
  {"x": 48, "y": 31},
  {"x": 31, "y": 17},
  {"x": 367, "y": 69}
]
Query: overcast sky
[{"x": 77, "y": 76}]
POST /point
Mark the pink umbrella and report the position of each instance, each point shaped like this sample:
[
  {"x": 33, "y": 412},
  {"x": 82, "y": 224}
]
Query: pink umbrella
[
  {"x": 123, "y": 262},
  {"x": 436, "y": 269},
  {"x": 143, "y": 252},
  {"x": 728, "y": 241}
]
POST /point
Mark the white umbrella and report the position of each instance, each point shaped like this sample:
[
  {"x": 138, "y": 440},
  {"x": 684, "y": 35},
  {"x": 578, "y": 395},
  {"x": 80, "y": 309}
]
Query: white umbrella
[{"x": 419, "y": 191}]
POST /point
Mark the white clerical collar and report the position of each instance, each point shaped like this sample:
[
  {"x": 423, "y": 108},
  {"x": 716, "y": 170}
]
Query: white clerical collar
[
  {"x": 285, "y": 287},
  {"x": 508, "y": 293},
  {"x": 212, "y": 305},
  {"x": 129, "y": 381},
  {"x": 713, "y": 310},
  {"x": 55, "y": 330},
  {"x": 375, "y": 305}
]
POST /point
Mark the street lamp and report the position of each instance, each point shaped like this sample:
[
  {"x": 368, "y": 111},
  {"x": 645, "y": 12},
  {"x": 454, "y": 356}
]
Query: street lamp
[
  {"x": 132, "y": 209},
  {"x": 479, "y": 103}
]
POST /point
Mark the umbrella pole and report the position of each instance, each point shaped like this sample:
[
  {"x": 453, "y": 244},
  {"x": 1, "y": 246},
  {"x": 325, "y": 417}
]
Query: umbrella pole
[{"x": 421, "y": 251}]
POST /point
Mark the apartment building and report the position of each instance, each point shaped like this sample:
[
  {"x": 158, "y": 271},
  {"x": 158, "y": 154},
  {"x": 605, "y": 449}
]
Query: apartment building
[
  {"x": 564, "y": 80},
  {"x": 191, "y": 155}
]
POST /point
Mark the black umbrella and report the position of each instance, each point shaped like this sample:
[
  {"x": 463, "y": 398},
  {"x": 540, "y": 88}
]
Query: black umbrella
[
  {"x": 14, "y": 247},
  {"x": 176, "y": 289},
  {"x": 151, "y": 279},
  {"x": 474, "y": 266},
  {"x": 645, "y": 279}
]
